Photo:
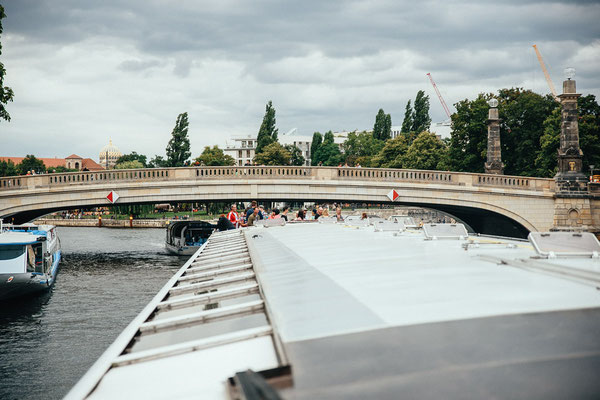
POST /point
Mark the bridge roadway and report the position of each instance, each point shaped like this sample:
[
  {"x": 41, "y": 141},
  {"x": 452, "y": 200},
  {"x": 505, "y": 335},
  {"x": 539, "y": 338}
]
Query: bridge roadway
[{"x": 496, "y": 204}]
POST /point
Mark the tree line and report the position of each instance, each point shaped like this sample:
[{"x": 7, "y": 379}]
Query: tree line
[{"x": 529, "y": 130}]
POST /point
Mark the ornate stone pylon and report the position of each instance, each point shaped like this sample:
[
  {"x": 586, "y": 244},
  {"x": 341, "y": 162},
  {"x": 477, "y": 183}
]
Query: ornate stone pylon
[
  {"x": 494, "y": 163},
  {"x": 570, "y": 176}
]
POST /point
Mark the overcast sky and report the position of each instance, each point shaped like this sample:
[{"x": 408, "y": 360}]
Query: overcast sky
[{"x": 87, "y": 71}]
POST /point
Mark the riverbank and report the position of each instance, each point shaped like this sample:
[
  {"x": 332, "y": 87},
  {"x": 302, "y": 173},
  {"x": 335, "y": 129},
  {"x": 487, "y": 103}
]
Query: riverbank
[{"x": 106, "y": 223}]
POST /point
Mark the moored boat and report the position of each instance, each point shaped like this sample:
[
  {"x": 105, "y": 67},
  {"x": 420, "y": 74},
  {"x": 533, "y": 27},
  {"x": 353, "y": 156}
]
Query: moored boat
[
  {"x": 29, "y": 259},
  {"x": 185, "y": 237}
]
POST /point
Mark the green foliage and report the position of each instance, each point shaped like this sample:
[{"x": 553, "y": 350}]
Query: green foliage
[
  {"x": 407, "y": 122},
  {"x": 60, "y": 169},
  {"x": 30, "y": 163},
  {"x": 382, "y": 130},
  {"x": 361, "y": 148},
  {"x": 328, "y": 153},
  {"x": 589, "y": 130},
  {"x": 178, "y": 149},
  {"x": 134, "y": 164},
  {"x": 157, "y": 162},
  {"x": 390, "y": 156},
  {"x": 523, "y": 113},
  {"x": 468, "y": 140},
  {"x": 317, "y": 140},
  {"x": 296, "y": 155},
  {"x": 273, "y": 154},
  {"x": 425, "y": 152},
  {"x": 420, "y": 116},
  {"x": 6, "y": 93},
  {"x": 8, "y": 168},
  {"x": 133, "y": 156},
  {"x": 213, "y": 157},
  {"x": 267, "y": 133},
  {"x": 546, "y": 162}
]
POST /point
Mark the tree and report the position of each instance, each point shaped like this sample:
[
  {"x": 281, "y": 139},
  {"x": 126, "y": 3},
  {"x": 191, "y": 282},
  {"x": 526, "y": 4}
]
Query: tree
[
  {"x": 157, "y": 162},
  {"x": 382, "y": 130},
  {"x": 133, "y": 156},
  {"x": 134, "y": 164},
  {"x": 523, "y": 113},
  {"x": 546, "y": 161},
  {"x": 267, "y": 133},
  {"x": 407, "y": 122},
  {"x": 425, "y": 152},
  {"x": 420, "y": 116},
  {"x": 317, "y": 140},
  {"x": 8, "y": 168},
  {"x": 589, "y": 130},
  {"x": 390, "y": 156},
  {"x": 30, "y": 163},
  {"x": 328, "y": 153},
  {"x": 273, "y": 154},
  {"x": 61, "y": 169},
  {"x": 214, "y": 157},
  {"x": 296, "y": 155},
  {"x": 6, "y": 93},
  {"x": 387, "y": 128},
  {"x": 178, "y": 149},
  {"x": 361, "y": 147},
  {"x": 468, "y": 138}
]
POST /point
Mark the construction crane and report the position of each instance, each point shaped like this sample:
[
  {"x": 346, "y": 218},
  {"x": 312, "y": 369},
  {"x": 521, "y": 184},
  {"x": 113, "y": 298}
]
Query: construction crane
[
  {"x": 546, "y": 74},
  {"x": 439, "y": 95}
]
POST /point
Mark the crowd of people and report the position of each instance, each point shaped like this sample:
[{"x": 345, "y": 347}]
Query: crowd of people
[{"x": 255, "y": 212}]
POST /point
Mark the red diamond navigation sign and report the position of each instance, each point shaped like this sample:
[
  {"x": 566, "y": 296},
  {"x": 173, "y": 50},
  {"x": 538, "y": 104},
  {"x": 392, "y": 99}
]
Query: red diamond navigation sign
[
  {"x": 112, "y": 196},
  {"x": 393, "y": 195}
]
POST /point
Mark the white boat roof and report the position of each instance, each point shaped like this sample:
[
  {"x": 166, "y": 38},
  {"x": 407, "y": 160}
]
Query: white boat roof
[
  {"x": 12, "y": 238},
  {"x": 357, "y": 313}
]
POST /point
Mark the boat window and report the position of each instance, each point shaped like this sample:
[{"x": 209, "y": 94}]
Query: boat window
[
  {"x": 34, "y": 258},
  {"x": 12, "y": 259},
  {"x": 10, "y": 252}
]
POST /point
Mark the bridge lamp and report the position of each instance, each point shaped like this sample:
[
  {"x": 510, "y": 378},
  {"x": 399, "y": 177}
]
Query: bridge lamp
[
  {"x": 493, "y": 103},
  {"x": 569, "y": 73},
  {"x": 592, "y": 170}
]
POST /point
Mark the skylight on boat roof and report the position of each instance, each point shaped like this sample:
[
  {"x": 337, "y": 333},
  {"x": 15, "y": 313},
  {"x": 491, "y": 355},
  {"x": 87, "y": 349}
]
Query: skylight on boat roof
[
  {"x": 445, "y": 231},
  {"x": 555, "y": 244},
  {"x": 388, "y": 226}
]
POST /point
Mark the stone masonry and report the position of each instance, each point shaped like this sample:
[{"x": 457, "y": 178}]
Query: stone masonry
[{"x": 494, "y": 163}]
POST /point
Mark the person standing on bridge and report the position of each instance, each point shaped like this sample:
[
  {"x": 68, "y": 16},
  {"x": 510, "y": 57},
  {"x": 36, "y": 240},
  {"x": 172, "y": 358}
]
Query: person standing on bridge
[{"x": 234, "y": 217}]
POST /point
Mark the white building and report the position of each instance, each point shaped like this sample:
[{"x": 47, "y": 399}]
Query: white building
[{"x": 243, "y": 148}]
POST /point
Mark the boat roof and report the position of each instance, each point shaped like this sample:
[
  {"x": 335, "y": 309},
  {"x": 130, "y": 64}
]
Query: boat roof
[
  {"x": 357, "y": 313},
  {"x": 16, "y": 237}
]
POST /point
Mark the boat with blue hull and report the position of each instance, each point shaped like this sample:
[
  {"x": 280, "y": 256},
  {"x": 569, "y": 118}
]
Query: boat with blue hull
[{"x": 29, "y": 259}]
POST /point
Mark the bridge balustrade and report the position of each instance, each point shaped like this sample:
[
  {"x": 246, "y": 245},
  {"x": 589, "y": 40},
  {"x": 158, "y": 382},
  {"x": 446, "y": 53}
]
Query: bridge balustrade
[
  {"x": 10, "y": 183},
  {"x": 396, "y": 174},
  {"x": 277, "y": 172}
]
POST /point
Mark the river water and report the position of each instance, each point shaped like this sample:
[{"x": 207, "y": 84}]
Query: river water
[{"x": 106, "y": 278}]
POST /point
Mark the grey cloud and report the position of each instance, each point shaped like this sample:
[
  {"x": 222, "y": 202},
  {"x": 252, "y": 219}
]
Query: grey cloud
[
  {"x": 326, "y": 65},
  {"x": 138, "y": 65}
]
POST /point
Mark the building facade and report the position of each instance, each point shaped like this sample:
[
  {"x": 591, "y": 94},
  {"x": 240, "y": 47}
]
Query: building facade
[{"x": 243, "y": 148}]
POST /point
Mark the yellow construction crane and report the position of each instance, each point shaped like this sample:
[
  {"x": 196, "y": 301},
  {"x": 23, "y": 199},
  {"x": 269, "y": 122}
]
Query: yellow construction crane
[{"x": 546, "y": 74}]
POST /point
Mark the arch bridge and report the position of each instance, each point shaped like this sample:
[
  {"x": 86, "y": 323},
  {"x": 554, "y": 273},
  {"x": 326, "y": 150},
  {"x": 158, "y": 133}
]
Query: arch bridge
[{"x": 493, "y": 204}]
